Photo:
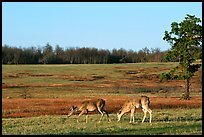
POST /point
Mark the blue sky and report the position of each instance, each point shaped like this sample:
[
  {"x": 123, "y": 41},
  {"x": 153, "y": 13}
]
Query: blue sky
[{"x": 103, "y": 25}]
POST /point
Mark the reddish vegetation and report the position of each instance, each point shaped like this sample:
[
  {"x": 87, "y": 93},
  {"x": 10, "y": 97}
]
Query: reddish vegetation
[
  {"x": 12, "y": 107},
  {"x": 36, "y": 107}
]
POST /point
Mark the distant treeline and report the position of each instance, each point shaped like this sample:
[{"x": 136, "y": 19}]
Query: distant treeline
[{"x": 84, "y": 55}]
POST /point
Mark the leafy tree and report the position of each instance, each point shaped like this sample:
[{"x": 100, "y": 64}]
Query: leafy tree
[{"x": 186, "y": 41}]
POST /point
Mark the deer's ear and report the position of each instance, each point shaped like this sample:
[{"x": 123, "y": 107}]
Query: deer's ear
[
  {"x": 119, "y": 112},
  {"x": 73, "y": 107}
]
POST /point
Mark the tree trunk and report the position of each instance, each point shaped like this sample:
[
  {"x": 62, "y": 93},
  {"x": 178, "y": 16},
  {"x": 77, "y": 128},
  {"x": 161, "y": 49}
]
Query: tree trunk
[{"x": 186, "y": 95}]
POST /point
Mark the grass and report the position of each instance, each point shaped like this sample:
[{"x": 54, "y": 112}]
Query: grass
[
  {"x": 17, "y": 73},
  {"x": 90, "y": 81},
  {"x": 164, "y": 122},
  {"x": 86, "y": 78}
]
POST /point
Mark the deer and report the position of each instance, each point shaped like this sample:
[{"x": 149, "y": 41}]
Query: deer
[
  {"x": 89, "y": 106},
  {"x": 130, "y": 105}
]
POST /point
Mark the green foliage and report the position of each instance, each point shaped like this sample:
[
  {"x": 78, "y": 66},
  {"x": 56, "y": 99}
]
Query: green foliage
[{"x": 186, "y": 41}]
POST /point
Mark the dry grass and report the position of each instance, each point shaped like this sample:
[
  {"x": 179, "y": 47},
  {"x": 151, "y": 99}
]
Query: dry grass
[{"x": 60, "y": 106}]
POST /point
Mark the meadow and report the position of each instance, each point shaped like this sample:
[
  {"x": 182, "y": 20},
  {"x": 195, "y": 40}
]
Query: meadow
[
  {"x": 36, "y": 99},
  {"x": 165, "y": 122}
]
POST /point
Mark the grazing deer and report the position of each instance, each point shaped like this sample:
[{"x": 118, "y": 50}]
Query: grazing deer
[
  {"x": 87, "y": 106},
  {"x": 130, "y": 105}
]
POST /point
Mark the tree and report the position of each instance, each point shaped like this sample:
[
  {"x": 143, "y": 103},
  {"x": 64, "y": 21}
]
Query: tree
[
  {"x": 7, "y": 55},
  {"x": 47, "y": 54},
  {"x": 59, "y": 53},
  {"x": 143, "y": 54},
  {"x": 71, "y": 55},
  {"x": 186, "y": 41}
]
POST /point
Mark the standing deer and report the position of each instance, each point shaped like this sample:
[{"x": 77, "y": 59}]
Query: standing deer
[
  {"x": 87, "y": 106},
  {"x": 130, "y": 105}
]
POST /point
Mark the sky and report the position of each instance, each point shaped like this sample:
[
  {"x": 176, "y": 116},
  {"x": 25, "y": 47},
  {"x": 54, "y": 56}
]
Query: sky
[{"x": 102, "y": 25}]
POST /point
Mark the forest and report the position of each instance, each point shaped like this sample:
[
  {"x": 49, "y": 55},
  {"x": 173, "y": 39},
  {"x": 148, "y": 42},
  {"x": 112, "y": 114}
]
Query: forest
[{"x": 76, "y": 55}]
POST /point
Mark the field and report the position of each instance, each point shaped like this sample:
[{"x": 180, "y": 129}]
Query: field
[{"x": 37, "y": 98}]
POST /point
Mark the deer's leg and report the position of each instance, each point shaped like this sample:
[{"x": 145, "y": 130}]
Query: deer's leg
[
  {"x": 145, "y": 112},
  {"x": 101, "y": 115},
  {"x": 107, "y": 115},
  {"x": 102, "y": 110},
  {"x": 86, "y": 116},
  {"x": 120, "y": 115},
  {"x": 82, "y": 112},
  {"x": 150, "y": 114},
  {"x": 132, "y": 111}
]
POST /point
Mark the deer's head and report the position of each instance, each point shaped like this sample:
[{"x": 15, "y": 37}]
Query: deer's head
[{"x": 72, "y": 110}]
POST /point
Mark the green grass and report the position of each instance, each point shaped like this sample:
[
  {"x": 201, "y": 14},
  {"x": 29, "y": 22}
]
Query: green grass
[
  {"x": 164, "y": 122},
  {"x": 67, "y": 92},
  {"x": 109, "y": 73},
  {"x": 12, "y": 73}
]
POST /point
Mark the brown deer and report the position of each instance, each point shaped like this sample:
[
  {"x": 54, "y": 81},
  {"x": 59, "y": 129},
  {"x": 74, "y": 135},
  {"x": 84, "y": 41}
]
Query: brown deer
[
  {"x": 88, "y": 106},
  {"x": 130, "y": 105}
]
